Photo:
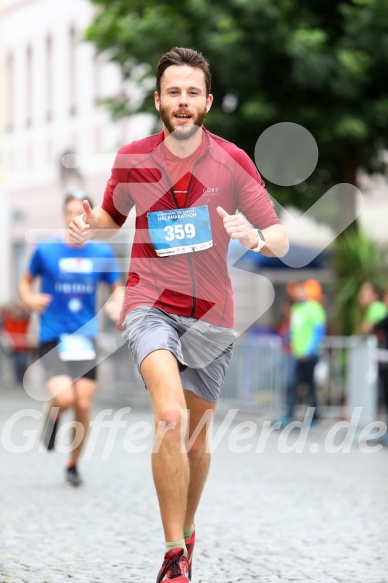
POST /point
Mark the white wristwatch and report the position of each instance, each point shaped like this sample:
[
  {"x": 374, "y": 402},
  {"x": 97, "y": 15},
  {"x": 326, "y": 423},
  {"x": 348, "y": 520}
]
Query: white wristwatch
[{"x": 260, "y": 241}]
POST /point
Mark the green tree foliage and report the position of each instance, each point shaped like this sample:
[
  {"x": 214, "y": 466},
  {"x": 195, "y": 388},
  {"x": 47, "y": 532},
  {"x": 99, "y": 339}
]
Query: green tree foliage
[{"x": 321, "y": 64}]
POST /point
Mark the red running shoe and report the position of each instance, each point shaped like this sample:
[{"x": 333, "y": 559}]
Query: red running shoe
[
  {"x": 175, "y": 567},
  {"x": 190, "y": 548}
]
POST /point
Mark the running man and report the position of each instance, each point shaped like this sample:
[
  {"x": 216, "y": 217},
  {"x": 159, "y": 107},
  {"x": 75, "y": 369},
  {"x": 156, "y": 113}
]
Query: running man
[
  {"x": 66, "y": 304},
  {"x": 177, "y": 315}
]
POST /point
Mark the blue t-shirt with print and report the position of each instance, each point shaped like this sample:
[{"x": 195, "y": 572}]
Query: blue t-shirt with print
[{"x": 71, "y": 276}]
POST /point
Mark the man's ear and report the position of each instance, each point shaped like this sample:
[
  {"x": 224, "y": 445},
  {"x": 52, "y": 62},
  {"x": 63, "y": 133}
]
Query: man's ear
[
  {"x": 157, "y": 100},
  {"x": 209, "y": 101}
]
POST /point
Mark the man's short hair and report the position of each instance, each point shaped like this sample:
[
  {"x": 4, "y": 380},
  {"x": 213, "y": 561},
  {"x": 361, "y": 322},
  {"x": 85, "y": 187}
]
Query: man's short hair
[
  {"x": 181, "y": 56},
  {"x": 76, "y": 195}
]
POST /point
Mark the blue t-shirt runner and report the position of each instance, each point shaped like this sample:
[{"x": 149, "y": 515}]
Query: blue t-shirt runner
[
  {"x": 71, "y": 276},
  {"x": 66, "y": 304}
]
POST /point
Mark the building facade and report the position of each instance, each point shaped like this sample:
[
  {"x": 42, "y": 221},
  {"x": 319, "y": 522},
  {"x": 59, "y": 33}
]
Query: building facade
[{"x": 57, "y": 134}]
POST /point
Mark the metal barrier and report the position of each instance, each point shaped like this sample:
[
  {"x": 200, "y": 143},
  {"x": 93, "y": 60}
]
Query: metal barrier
[
  {"x": 257, "y": 374},
  {"x": 353, "y": 374},
  {"x": 255, "y": 380},
  {"x": 346, "y": 375}
]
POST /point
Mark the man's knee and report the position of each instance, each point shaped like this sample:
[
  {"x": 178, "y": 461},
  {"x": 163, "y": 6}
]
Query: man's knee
[
  {"x": 64, "y": 400},
  {"x": 196, "y": 448},
  {"x": 82, "y": 405},
  {"x": 173, "y": 417},
  {"x": 61, "y": 389},
  {"x": 170, "y": 424}
]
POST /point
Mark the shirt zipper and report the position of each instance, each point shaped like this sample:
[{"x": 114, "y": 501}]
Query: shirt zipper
[
  {"x": 177, "y": 206},
  {"x": 189, "y": 256}
]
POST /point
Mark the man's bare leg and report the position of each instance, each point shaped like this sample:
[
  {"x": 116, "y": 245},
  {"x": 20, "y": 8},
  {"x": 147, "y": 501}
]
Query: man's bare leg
[
  {"x": 61, "y": 389},
  {"x": 84, "y": 390},
  {"x": 170, "y": 464},
  {"x": 198, "y": 453}
]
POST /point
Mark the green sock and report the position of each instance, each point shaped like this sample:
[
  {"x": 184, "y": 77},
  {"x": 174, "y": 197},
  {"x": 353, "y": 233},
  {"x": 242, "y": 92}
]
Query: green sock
[
  {"x": 176, "y": 544},
  {"x": 189, "y": 532}
]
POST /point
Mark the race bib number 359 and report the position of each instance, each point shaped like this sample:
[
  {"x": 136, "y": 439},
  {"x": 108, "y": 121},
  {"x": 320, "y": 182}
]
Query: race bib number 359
[{"x": 179, "y": 231}]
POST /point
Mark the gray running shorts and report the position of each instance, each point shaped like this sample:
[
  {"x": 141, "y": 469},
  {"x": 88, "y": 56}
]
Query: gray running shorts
[
  {"x": 203, "y": 350},
  {"x": 54, "y": 366}
]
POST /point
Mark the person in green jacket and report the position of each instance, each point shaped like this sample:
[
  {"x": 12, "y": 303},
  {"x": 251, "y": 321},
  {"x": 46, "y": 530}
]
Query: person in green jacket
[
  {"x": 372, "y": 308},
  {"x": 307, "y": 331}
]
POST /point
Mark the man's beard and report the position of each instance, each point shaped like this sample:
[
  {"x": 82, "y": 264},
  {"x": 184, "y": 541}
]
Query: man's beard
[{"x": 196, "y": 124}]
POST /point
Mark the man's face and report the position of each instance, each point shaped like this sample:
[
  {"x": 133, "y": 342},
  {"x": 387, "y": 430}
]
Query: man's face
[
  {"x": 73, "y": 209},
  {"x": 297, "y": 292},
  {"x": 182, "y": 102},
  {"x": 366, "y": 295}
]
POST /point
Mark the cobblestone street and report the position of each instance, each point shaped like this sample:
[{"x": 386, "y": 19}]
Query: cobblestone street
[{"x": 266, "y": 516}]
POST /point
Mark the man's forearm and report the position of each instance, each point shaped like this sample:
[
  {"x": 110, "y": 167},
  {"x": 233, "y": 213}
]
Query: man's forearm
[
  {"x": 24, "y": 290},
  {"x": 107, "y": 227},
  {"x": 276, "y": 241}
]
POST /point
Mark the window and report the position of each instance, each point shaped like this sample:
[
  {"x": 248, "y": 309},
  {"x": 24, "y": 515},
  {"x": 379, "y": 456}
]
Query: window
[
  {"x": 72, "y": 71},
  {"x": 49, "y": 78},
  {"x": 10, "y": 91},
  {"x": 29, "y": 86}
]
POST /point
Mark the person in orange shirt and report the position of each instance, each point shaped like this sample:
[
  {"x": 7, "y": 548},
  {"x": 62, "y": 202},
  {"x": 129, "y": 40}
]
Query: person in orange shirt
[{"x": 15, "y": 324}]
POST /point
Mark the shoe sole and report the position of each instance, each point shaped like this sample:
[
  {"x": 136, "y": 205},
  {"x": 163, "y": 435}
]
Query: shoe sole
[{"x": 71, "y": 486}]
